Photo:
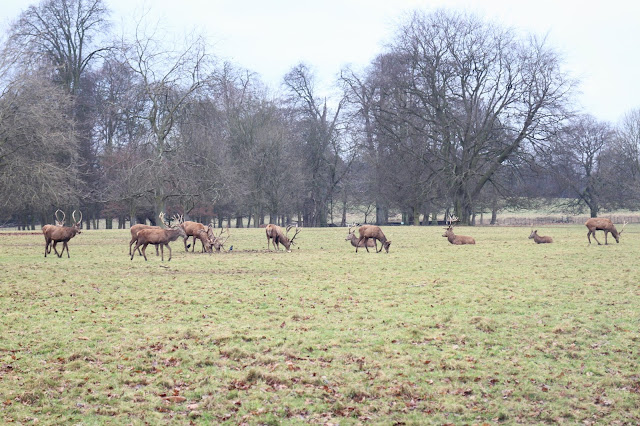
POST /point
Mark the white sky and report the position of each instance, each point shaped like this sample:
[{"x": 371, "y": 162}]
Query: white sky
[{"x": 600, "y": 40}]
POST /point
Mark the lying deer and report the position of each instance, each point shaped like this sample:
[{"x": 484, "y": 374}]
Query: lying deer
[
  {"x": 602, "y": 224},
  {"x": 277, "y": 237},
  {"x": 56, "y": 234},
  {"x": 158, "y": 236},
  {"x": 456, "y": 239},
  {"x": 538, "y": 239},
  {"x": 354, "y": 240},
  {"x": 372, "y": 232}
]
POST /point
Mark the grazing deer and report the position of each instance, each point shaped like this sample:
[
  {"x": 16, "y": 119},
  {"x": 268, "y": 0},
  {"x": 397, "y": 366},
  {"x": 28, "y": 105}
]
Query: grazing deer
[
  {"x": 57, "y": 233},
  {"x": 192, "y": 229},
  {"x": 277, "y": 237},
  {"x": 456, "y": 239},
  {"x": 158, "y": 236},
  {"x": 211, "y": 241},
  {"x": 354, "y": 240},
  {"x": 374, "y": 232},
  {"x": 134, "y": 235},
  {"x": 538, "y": 239},
  {"x": 602, "y": 224},
  {"x": 59, "y": 222}
]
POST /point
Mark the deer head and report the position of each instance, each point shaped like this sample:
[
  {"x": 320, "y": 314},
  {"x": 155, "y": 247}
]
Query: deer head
[
  {"x": 77, "y": 223},
  {"x": 292, "y": 238}
]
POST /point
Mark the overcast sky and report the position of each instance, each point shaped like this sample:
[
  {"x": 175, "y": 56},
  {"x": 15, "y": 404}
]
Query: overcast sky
[{"x": 599, "y": 40}]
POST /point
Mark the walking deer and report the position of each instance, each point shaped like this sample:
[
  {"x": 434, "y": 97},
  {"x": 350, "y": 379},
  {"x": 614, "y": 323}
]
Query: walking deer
[
  {"x": 373, "y": 232},
  {"x": 354, "y": 240},
  {"x": 456, "y": 239},
  {"x": 602, "y": 224},
  {"x": 134, "y": 235},
  {"x": 158, "y": 236},
  {"x": 277, "y": 237},
  {"x": 61, "y": 234},
  {"x": 539, "y": 239}
]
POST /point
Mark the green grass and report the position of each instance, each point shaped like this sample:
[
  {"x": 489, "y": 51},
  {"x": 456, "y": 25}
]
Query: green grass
[{"x": 503, "y": 331}]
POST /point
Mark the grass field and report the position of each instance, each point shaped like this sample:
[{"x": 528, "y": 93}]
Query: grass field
[{"x": 503, "y": 331}]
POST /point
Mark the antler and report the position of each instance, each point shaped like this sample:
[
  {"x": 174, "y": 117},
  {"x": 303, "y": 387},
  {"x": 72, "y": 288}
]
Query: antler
[
  {"x": 59, "y": 221},
  {"x": 623, "y": 225},
  {"x": 164, "y": 222},
  {"x": 294, "y": 235},
  {"x": 73, "y": 216},
  {"x": 178, "y": 218}
]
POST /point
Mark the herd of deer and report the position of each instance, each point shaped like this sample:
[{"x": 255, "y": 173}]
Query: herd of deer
[{"x": 369, "y": 235}]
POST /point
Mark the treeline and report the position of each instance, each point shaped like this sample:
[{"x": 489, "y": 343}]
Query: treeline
[{"x": 456, "y": 114}]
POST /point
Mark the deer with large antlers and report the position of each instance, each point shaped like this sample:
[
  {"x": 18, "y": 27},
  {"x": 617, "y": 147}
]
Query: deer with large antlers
[
  {"x": 372, "y": 232},
  {"x": 539, "y": 239},
  {"x": 602, "y": 224},
  {"x": 159, "y": 236},
  {"x": 456, "y": 239},
  {"x": 354, "y": 240},
  {"x": 211, "y": 241},
  {"x": 59, "y": 222},
  {"x": 61, "y": 234},
  {"x": 277, "y": 237}
]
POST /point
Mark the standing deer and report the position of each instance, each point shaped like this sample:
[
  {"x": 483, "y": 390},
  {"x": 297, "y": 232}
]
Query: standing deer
[
  {"x": 56, "y": 234},
  {"x": 59, "y": 222},
  {"x": 211, "y": 241},
  {"x": 374, "y": 232},
  {"x": 354, "y": 240},
  {"x": 456, "y": 239},
  {"x": 158, "y": 236},
  {"x": 277, "y": 237},
  {"x": 538, "y": 239},
  {"x": 192, "y": 229},
  {"x": 134, "y": 235},
  {"x": 602, "y": 224}
]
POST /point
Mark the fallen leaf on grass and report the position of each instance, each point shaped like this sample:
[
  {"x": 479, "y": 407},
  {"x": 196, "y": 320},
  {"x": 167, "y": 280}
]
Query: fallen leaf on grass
[
  {"x": 83, "y": 338},
  {"x": 176, "y": 398}
]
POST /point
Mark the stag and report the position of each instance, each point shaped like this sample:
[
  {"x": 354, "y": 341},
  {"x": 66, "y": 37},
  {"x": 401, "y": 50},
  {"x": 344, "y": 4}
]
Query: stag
[
  {"x": 134, "y": 235},
  {"x": 456, "y": 239},
  {"x": 538, "y": 239},
  {"x": 61, "y": 234},
  {"x": 354, "y": 240},
  {"x": 158, "y": 236},
  {"x": 211, "y": 241},
  {"x": 277, "y": 237},
  {"x": 602, "y": 224},
  {"x": 59, "y": 222},
  {"x": 374, "y": 232},
  {"x": 192, "y": 229}
]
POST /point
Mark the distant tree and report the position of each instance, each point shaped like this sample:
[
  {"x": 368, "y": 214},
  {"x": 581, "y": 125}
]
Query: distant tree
[{"x": 576, "y": 160}]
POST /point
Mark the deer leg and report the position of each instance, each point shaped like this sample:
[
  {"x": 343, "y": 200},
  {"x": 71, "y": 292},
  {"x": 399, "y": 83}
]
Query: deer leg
[
  {"x": 375, "y": 244},
  {"x": 144, "y": 251},
  {"x": 137, "y": 247},
  {"x": 605, "y": 237},
  {"x": 167, "y": 244},
  {"x": 55, "y": 243},
  {"x": 66, "y": 246},
  {"x": 366, "y": 244},
  {"x": 194, "y": 244},
  {"x": 130, "y": 244},
  {"x": 594, "y": 237},
  {"x": 157, "y": 252}
]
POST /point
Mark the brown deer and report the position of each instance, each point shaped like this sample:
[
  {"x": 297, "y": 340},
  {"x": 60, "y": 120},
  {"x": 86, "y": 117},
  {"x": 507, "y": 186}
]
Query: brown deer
[
  {"x": 538, "y": 239},
  {"x": 354, "y": 239},
  {"x": 602, "y": 224},
  {"x": 211, "y": 241},
  {"x": 59, "y": 222},
  {"x": 56, "y": 234},
  {"x": 456, "y": 239},
  {"x": 192, "y": 229},
  {"x": 158, "y": 236},
  {"x": 368, "y": 232},
  {"x": 134, "y": 235},
  {"x": 277, "y": 237}
]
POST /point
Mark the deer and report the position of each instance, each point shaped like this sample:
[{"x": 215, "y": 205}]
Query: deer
[
  {"x": 276, "y": 237},
  {"x": 456, "y": 239},
  {"x": 134, "y": 235},
  {"x": 61, "y": 234},
  {"x": 192, "y": 229},
  {"x": 211, "y": 241},
  {"x": 538, "y": 239},
  {"x": 354, "y": 239},
  {"x": 602, "y": 224},
  {"x": 368, "y": 232},
  {"x": 158, "y": 236},
  {"x": 59, "y": 222}
]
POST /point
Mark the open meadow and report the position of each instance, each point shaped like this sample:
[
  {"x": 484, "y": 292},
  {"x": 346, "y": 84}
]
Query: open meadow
[{"x": 503, "y": 331}]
